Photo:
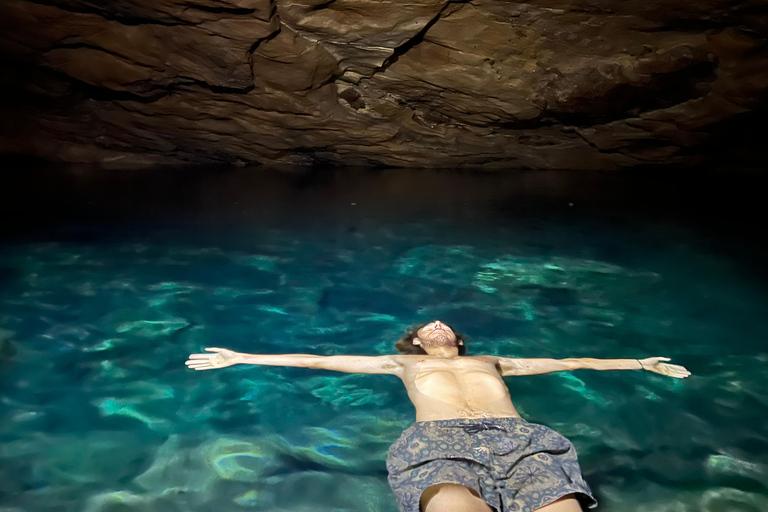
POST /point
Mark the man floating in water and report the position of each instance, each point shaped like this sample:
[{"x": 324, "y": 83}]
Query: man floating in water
[{"x": 469, "y": 450}]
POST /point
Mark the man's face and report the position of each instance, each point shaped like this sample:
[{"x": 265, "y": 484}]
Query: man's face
[{"x": 436, "y": 334}]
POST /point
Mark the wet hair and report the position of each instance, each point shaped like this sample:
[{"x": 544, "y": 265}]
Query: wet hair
[{"x": 406, "y": 346}]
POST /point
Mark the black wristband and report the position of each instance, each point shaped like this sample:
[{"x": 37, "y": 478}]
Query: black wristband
[{"x": 641, "y": 364}]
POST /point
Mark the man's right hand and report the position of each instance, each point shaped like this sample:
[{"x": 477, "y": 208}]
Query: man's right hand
[
  {"x": 221, "y": 358},
  {"x": 655, "y": 365}
]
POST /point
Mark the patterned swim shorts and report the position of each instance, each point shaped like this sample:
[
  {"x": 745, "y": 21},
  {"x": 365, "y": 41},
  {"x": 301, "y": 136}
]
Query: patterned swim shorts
[{"x": 513, "y": 465}]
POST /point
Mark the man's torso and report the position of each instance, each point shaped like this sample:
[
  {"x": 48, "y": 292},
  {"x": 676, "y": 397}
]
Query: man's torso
[{"x": 460, "y": 387}]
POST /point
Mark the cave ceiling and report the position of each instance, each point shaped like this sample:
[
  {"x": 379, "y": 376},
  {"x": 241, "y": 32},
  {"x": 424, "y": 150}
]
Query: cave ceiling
[{"x": 554, "y": 84}]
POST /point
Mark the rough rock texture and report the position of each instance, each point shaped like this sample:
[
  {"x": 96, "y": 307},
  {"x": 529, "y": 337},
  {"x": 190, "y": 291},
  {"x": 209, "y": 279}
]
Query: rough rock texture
[{"x": 552, "y": 84}]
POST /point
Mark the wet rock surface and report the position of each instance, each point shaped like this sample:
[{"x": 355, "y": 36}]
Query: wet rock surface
[{"x": 501, "y": 84}]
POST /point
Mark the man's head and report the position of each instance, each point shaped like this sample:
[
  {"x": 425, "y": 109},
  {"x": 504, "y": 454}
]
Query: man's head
[{"x": 427, "y": 337}]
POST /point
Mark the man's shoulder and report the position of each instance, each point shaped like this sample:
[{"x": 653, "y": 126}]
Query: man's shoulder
[{"x": 407, "y": 358}]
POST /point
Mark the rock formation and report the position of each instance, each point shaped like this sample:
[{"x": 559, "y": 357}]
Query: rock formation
[{"x": 585, "y": 84}]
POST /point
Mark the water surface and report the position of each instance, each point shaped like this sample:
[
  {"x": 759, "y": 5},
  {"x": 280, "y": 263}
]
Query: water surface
[{"x": 109, "y": 280}]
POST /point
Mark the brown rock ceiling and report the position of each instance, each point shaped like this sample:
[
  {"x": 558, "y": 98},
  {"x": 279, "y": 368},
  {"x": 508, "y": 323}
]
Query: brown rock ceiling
[{"x": 584, "y": 84}]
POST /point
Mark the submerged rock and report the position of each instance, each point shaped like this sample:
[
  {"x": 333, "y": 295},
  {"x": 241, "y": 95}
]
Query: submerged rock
[{"x": 8, "y": 347}]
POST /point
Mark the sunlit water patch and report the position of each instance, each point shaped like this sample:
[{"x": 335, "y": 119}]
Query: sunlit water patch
[{"x": 98, "y": 412}]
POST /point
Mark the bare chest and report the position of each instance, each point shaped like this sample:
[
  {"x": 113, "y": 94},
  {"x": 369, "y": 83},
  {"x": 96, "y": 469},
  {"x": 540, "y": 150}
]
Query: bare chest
[{"x": 446, "y": 380}]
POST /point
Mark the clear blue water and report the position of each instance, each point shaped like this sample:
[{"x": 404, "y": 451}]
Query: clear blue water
[{"x": 109, "y": 282}]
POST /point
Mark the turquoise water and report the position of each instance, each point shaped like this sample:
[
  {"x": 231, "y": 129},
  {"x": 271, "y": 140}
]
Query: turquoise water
[{"x": 102, "y": 303}]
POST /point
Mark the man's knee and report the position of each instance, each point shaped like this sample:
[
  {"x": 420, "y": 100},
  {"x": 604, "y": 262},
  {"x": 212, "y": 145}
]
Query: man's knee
[{"x": 452, "y": 498}]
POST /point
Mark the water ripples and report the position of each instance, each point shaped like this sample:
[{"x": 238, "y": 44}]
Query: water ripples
[{"x": 98, "y": 412}]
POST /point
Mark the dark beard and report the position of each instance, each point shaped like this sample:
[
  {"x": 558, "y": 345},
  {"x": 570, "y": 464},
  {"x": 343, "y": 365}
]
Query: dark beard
[{"x": 440, "y": 339}]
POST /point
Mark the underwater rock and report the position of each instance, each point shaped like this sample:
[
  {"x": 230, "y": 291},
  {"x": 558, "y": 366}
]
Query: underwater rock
[
  {"x": 336, "y": 491},
  {"x": 8, "y": 347},
  {"x": 197, "y": 471},
  {"x": 120, "y": 500},
  {"x": 362, "y": 300},
  {"x": 176, "y": 467},
  {"x": 152, "y": 328},
  {"x": 735, "y": 466},
  {"x": 101, "y": 458},
  {"x": 238, "y": 460},
  {"x": 451, "y": 265},
  {"x": 126, "y": 501},
  {"x": 127, "y": 408},
  {"x": 587, "y": 85},
  {"x": 715, "y": 500},
  {"x": 343, "y": 392}
]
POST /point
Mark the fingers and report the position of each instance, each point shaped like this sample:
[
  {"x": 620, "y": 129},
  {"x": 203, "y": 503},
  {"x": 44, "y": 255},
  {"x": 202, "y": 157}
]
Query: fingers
[
  {"x": 199, "y": 364},
  {"x": 679, "y": 369},
  {"x": 670, "y": 370},
  {"x": 201, "y": 367},
  {"x": 674, "y": 370},
  {"x": 204, "y": 361}
]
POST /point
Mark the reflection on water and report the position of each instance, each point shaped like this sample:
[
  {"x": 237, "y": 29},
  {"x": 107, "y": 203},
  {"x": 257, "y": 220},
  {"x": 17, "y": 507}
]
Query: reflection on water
[{"x": 101, "y": 307}]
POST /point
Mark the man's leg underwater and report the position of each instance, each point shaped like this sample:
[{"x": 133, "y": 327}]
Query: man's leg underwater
[
  {"x": 564, "y": 504},
  {"x": 454, "y": 498},
  {"x": 457, "y": 498}
]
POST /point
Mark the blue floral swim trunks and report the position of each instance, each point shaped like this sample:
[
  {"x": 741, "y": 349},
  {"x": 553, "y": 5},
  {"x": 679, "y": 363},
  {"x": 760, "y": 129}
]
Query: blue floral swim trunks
[{"x": 513, "y": 465}]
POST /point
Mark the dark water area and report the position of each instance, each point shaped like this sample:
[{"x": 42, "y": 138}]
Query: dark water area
[{"x": 109, "y": 279}]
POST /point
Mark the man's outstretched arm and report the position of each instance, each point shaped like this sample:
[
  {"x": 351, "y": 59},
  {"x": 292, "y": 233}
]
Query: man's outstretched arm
[
  {"x": 221, "y": 358},
  {"x": 510, "y": 366}
]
